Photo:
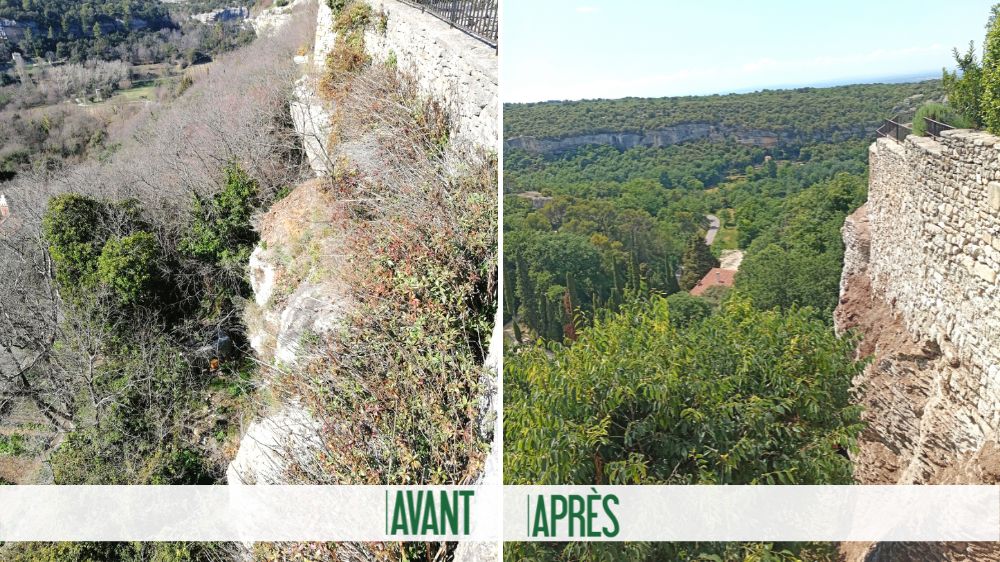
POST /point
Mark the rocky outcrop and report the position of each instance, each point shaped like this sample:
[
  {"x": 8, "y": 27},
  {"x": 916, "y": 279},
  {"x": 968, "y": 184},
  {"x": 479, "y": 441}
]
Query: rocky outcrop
[
  {"x": 294, "y": 275},
  {"x": 664, "y": 137},
  {"x": 271, "y": 444},
  {"x": 919, "y": 286},
  {"x": 272, "y": 20}
]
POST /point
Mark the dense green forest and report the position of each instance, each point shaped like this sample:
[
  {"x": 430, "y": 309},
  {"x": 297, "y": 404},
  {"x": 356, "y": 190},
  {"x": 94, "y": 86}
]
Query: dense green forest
[
  {"x": 620, "y": 221},
  {"x": 740, "y": 385},
  {"x": 69, "y": 28},
  {"x": 843, "y": 110}
]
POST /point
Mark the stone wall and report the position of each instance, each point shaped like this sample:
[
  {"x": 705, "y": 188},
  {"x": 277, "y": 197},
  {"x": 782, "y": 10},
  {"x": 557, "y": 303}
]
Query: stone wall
[
  {"x": 934, "y": 213},
  {"x": 450, "y": 66},
  {"x": 919, "y": 286}
]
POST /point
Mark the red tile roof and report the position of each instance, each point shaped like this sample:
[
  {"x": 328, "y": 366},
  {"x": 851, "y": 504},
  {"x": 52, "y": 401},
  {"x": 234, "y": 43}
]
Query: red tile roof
[{"x": 716, "y": 277}]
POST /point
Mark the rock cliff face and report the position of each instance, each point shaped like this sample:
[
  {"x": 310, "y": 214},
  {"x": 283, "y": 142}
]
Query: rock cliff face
[
  {"x": 292, "y": 273},
  {"x": 919, "y": 286},
  {"x": 662, "y": 137}
]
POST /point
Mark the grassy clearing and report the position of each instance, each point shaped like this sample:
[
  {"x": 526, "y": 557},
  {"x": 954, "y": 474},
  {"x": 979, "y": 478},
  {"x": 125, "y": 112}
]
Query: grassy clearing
[{"x": 728, "y": 236}]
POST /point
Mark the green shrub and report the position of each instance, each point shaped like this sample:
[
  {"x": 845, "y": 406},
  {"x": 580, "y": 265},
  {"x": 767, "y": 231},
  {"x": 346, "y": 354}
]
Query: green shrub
[
  {"x": 963, "y": 86},
  {"x": 938, "y": 112},
  {"x": 685, "y": 309},
  {"x": 221, "y": 232},
  {"x": 740, "y": 397},
  {"x": 990, "y": 105},
  {"x": 129, "y": 267},
  {"x": 72, "y": 226}
]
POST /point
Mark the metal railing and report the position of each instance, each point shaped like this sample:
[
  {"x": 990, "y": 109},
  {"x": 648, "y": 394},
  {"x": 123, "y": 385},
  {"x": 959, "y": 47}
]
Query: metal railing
[
  {"x": 893, "y": 130},
  {"x": 935, "y": 128},
  {"x": 478, "y": 18}
]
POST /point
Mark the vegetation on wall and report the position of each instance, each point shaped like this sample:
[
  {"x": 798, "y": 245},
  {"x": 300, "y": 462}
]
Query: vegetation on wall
[{"x": 940, "y": 113}]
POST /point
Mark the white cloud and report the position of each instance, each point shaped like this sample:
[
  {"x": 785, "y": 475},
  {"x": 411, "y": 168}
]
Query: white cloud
[{"x": 586, "y": 9}]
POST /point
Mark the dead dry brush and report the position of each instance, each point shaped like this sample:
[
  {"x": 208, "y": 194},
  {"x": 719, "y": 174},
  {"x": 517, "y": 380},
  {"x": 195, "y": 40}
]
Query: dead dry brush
[{"x": 399, "y": 388}]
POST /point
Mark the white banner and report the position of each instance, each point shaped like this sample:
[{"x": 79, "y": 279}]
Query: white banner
[
  {"x": 473, "y": 513},
  {"x": 249, "y": 513},
  {"x": 752, "y": 513}
]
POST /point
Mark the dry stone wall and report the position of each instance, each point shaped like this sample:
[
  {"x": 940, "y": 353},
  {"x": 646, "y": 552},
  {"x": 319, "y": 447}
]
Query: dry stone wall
[
  {"x": 450, "y": 66},
  {"x": 934, "y": 214},
  {"x": 919, "y": 286}
]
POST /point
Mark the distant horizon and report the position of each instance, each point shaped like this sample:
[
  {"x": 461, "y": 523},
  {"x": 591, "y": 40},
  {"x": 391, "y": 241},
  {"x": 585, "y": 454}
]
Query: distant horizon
[
  {"x": 567, "y": 50},
  {"x": 894, "y": 79}
]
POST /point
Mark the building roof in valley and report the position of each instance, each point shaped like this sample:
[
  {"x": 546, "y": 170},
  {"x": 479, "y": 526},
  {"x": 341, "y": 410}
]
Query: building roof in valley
[{"x": 717, "y": 277}]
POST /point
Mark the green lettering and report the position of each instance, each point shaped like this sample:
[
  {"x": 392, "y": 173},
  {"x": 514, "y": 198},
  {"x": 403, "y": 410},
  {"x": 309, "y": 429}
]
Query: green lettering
[
  {"x": 399, "y": 516},
  {"x": 430, "y": 524},
  {"x": 414, "y": 510},
  {"x": 541, "y": 526},
  {"x": 449, "y": 514},
  {"x": 576, "y": 511},
  {"x": 466, "y": 497},
  {"x": 592, "y": 513},
  {"x": 558, "y": 512},
  {"x": 611, "y": 515}
]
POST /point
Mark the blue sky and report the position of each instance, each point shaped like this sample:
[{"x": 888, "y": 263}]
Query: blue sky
[{"x": 581, "y": 49}]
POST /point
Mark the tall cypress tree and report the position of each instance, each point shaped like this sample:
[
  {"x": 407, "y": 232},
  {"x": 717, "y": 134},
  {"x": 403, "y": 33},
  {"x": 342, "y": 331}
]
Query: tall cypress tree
[
  {"x": 526, "y": 292},
  {"x": 671, "y": 285},
  {"x": 698, "y": 260}
]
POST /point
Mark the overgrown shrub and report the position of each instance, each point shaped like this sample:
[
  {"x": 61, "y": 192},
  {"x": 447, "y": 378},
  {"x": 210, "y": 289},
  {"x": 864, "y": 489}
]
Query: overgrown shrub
[
  {"x": 739, "y": 397},
  {"x": 129, "y": 267},
  {"x": 72, "y": 226},
  {"x": 222, "y": 232},
  {"x": 348, "y": 55},
  {"x": 938, "y": 112},
  {"x": 404, "y": 378}
]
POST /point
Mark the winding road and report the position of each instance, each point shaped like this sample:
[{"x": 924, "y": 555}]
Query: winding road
[{"x": 713, "y": 229}]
